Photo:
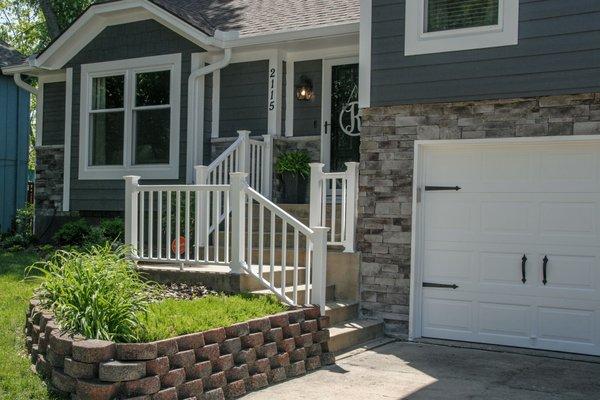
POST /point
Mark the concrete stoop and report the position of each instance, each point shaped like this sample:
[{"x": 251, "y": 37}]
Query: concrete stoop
[{"x": 347, "y": 330}]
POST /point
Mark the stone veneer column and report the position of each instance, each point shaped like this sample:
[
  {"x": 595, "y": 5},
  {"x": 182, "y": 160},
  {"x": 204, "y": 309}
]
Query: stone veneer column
[
  {"x": 386, "y": 175},
  {"x": 49, "y": 179}
]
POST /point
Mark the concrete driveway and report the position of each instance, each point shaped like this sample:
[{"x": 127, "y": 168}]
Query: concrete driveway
[{"x": 401, "y": 370}]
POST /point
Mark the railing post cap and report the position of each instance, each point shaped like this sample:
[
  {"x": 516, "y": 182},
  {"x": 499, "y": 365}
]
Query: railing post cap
[
  {"x": 244, "y": 133},
  {"x": 132, "y": 178},
  {"x": 241, "y": 175},
  {"x": 316, "y": 165},
  {"x": 200, "y": 167},
  {"x": 320, "y": 229},
  {"x": 352, "y": 163}
]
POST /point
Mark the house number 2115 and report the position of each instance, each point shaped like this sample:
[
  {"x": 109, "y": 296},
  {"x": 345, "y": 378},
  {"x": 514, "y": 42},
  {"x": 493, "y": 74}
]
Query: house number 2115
[{"x": 272, "y": 75}]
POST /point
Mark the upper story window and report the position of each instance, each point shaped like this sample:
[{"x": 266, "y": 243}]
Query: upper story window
[
  {"x": 435, "y": 26},
  {"x": 130, "y": 118}
]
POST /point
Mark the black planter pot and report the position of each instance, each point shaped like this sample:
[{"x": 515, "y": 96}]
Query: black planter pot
[{"x": 295, "y": 188}]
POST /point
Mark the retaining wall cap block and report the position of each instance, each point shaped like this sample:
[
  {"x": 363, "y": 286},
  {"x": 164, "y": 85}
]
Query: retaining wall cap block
[
  {"x": 235, "y": 389},
  {"x": 266, "y": 350},
  {"x": 237, "y": 330},
  {"x": 312, "y": 312},
  {"x": 209, "y": 352},
  {"x": 183, "y": 359},
  {"x": 61, "y": 343},
  {"x": 121, "y": 371},
  {"x": 259, "y": 325},
  {"x": 45, "y": 318},
  {"x": 62, "y": 381},
  {"x": 223, "y": 363},
  {"x": 80, "y": 370},
  {"x": 136, "y": 351},
  {"x": 166, "y": 394},
  {"x": 191, "y": 389},
  {"x": 158, "y": 366},
  {"x": 215, "y": 336},
  {"x": 149, "y": 385},
  {"x": 296, "y": 316},
  {"x": 216, "y": 394},
  {"x": 50, "y": 326},
  {"x": 93, "y": 351},
  {"x": 279, "y": 320},
  {"x": 199, "y": 370},
  {"x": 292, "y": 330},
  {"x": 166, "y": 347},
  {"x": 95, "y": 390},
  {"x": 33, "y": 303},
  {"x": 231, "y": 346},
  {"x": 191, "y": 341},
  {"x": 173, "y": 378},
  {"x": 253, "y": 340},
  {"x": 287, "y": 345},
  {"x": 274, "y": 335}
]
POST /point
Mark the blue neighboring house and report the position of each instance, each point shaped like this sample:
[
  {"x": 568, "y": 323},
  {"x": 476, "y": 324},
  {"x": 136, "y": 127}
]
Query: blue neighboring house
[{"x": 14, "y": 139}]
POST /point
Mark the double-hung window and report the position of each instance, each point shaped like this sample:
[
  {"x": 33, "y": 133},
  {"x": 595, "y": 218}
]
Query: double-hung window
[
  {"x": 435, "y": 26},
  {"x": 130, "y": 118}
]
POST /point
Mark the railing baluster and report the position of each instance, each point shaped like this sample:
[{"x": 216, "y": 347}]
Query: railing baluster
[
  {"x": 142, "y": 233},
  {"x": 187, "y": 225},
  {"x": 343, "y": 210},
  {"x": 178, "y": 225},
  {"x": 283, "y": 255},
  {"x": 324, "y": 203},
  {"x": 307, "y": 271},
  {"x": 250, "y": 233},
  {"x": 197, "y": 226},
  {"x": 150, "y": 224},
  {"x": 272, "y": 264},
  {"x": 227, "y": 226},
  {"x": 207, "y": 226},
  {"x": 216, "y": 218},
  {"x": 261, "y": 240},
  {"x": 333, "y": 207},
  {"x": 296, "y": 255},
  {"x": 169, "y": 223},
  {"x": 159, "y": 229}
]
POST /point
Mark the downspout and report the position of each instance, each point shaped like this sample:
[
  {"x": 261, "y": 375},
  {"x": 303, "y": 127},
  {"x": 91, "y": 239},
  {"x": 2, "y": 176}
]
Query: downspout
[
  {"x": 20, "y": 83},
  {"x": 192, "y": 94}
]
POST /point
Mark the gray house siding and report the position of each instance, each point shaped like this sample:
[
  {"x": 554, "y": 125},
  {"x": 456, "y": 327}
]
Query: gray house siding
[
  {"x": 138, "y": 39},
  {"x": 307, "y": 114},
  {"x": 244, "y": 93},
  {"x": 53, "y": 119},
  {"x": 558, "y": 52}
]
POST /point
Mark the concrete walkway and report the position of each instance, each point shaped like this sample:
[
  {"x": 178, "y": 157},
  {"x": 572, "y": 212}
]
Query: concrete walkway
[{"x": 422, "y": 371}]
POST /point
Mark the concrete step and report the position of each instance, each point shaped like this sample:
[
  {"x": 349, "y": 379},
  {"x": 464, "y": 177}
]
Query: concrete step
[
  {"x": 329, "y": 294},
  {"x": 340, "y": 311},
  {"x": 351, "y": 333}
]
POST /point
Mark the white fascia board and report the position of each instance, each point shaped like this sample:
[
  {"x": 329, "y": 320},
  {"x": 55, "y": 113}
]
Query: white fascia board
[
  {"x": 99, "y": 16},
  {"x": 364, "y": 92}
]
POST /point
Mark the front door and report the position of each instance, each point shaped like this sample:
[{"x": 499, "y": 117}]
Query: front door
[{"x": 341, "y": 115}]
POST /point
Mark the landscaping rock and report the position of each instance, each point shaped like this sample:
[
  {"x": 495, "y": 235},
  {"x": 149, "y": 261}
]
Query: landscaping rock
[
  {"x": 266, "y": 350},
  {"x": 173, "y": 378},
  {"x": 237, "y": 330},
  {"x": 191, "y": 341},
  {"x": 80, "y": 370},
  {"x": 235, "y": 389},
  {"x": 136, "y": 351},
  {"x": 190, "y": 389},
  {"x": 183, "y": 291},
  {"x": 279, "y": 320},
  {"x": 209, "y": 352},
  {"x": 253, "y": 340},
  {"x": 183, "y": 359},
  {"x": 121, "y": 371},
  {"x": 223, "y": 363},
  {"x": 274, "y": 335},
  {"x": 95, "y": 390},
  {"x": 93, "y": 351},
  {"x": 166, "y": 347},
  {"x": 259, "y": 325},
  {"x": 231, "y": 346},
  {"x": 62, "y": 381},
  {"x": 158, "y": 366},
  {"x": 199, "y": 370},
  {"x": 166, "y": 394},
  {"x": 216, "y": 394},
  {"x": 215, "y": 336},
  {"x": 149, "y": 385}
]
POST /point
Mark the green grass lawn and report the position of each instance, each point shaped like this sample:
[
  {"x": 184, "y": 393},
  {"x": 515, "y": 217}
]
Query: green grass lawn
[{"x": 17, "y": 382}]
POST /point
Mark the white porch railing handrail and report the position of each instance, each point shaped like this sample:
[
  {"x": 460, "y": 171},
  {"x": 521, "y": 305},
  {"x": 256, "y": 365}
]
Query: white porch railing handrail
[{"x": 324, "y": 189}]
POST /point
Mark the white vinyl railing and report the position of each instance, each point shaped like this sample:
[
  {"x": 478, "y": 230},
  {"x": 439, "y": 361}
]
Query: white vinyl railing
[
  {"x": 167, "y": 224},
  {"x": 333, "y": 203}
]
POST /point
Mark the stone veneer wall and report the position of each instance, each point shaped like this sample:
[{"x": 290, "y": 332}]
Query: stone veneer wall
[
  {"x": 386, "y": 175},
  {"x": 222, "y": 363},
  {"x": 49, "y": 179}
]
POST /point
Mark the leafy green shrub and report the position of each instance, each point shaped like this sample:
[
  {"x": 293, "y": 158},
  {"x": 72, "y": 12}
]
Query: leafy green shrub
[
  {"x": 113, "y": 230},
  {"x": 73, "y": 233},
  {"x": 294, "y": 162},
  {"x": 21, "y": 237},
  {"x": 24, "y": 220},
  {"x": 96, "y": 293}
]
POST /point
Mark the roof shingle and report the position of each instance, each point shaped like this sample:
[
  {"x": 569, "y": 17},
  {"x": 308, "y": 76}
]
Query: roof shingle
[{"x": 9, "y": 56}]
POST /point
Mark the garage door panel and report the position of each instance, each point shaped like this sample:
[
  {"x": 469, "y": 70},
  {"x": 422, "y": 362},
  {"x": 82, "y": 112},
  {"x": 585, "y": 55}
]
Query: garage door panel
[
  {"x": 569, "y": 219},
  {"x": 500, "y": 166},
  {"x": 506, "y": 218},
  {"x": 572, "y": 272},
  {"x": 446, "y": 166},
  {"x": 566, "y": 325},
  {"x": 570, "y": 166},
  {"x": 500, "y": 268},
  {"x": 505, "y": 319},
  {"x": 448, "y": 315},
  {"x": 449, "y": 265}
]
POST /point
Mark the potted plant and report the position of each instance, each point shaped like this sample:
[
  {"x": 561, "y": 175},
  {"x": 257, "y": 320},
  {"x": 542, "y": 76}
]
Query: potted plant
[{"x": 294, "y": 169}]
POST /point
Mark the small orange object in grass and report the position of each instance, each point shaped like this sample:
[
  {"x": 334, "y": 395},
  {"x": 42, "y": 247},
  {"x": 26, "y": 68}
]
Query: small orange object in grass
[{"x": 181, "y": 245}]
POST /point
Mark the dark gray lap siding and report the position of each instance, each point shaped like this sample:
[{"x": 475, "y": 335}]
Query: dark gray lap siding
[
  {"x": 53, "y": 118},
  {"x": 119, "y": 42},
  {"x": 558, "y": 52},
  {"x": 307, "y": 114}
]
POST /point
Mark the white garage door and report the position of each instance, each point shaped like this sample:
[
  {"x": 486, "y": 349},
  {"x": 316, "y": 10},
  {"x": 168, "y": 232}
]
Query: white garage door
[{"x": 538, "y": 201}]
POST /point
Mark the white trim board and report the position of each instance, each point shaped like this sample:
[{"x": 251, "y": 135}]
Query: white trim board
[
  {"x": 417, "y": 41},
  {"x": 417, "y": 234},
  {"x": 366, "y": 20},
  {"x": 129, "y": 67},
  {"x": 67, "y": 152},
  {"x": 195, "y": 120}
]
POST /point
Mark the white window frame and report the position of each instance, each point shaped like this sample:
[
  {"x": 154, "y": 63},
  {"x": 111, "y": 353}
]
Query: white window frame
[
  {"x": 418, "y": 41},
  {"x": 130, "y": 68}
]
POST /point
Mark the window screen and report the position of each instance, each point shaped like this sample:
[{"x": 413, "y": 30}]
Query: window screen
[{"x": 444, "y": 15}]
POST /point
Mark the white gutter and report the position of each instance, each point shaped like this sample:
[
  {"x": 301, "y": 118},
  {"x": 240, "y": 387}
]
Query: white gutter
[
  {"x": 210, "y": 68},
  {"x": 19, "y": 82}
]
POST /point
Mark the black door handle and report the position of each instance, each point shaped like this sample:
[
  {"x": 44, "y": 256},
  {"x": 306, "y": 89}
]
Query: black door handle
[
  {"x": 524, "y": 268},
  {"x": 545, "y": 270}
]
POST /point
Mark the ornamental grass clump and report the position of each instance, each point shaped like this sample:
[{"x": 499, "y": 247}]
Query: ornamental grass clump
[{"x": 96, "y": 293}]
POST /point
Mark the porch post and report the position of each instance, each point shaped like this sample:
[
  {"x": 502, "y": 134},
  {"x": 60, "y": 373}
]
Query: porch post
[
  {"x": 244, "y": 152},
  {"x": 201, "y": 179},
  {"x": 319, "y": 267},
  {"x": 351, "y": 205},
  {"x": 238, "y": 220},
  {"x": 267, "y": 167},
  {"x": 131, "y": 212},
  {"x": 316, "y": 203}
]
